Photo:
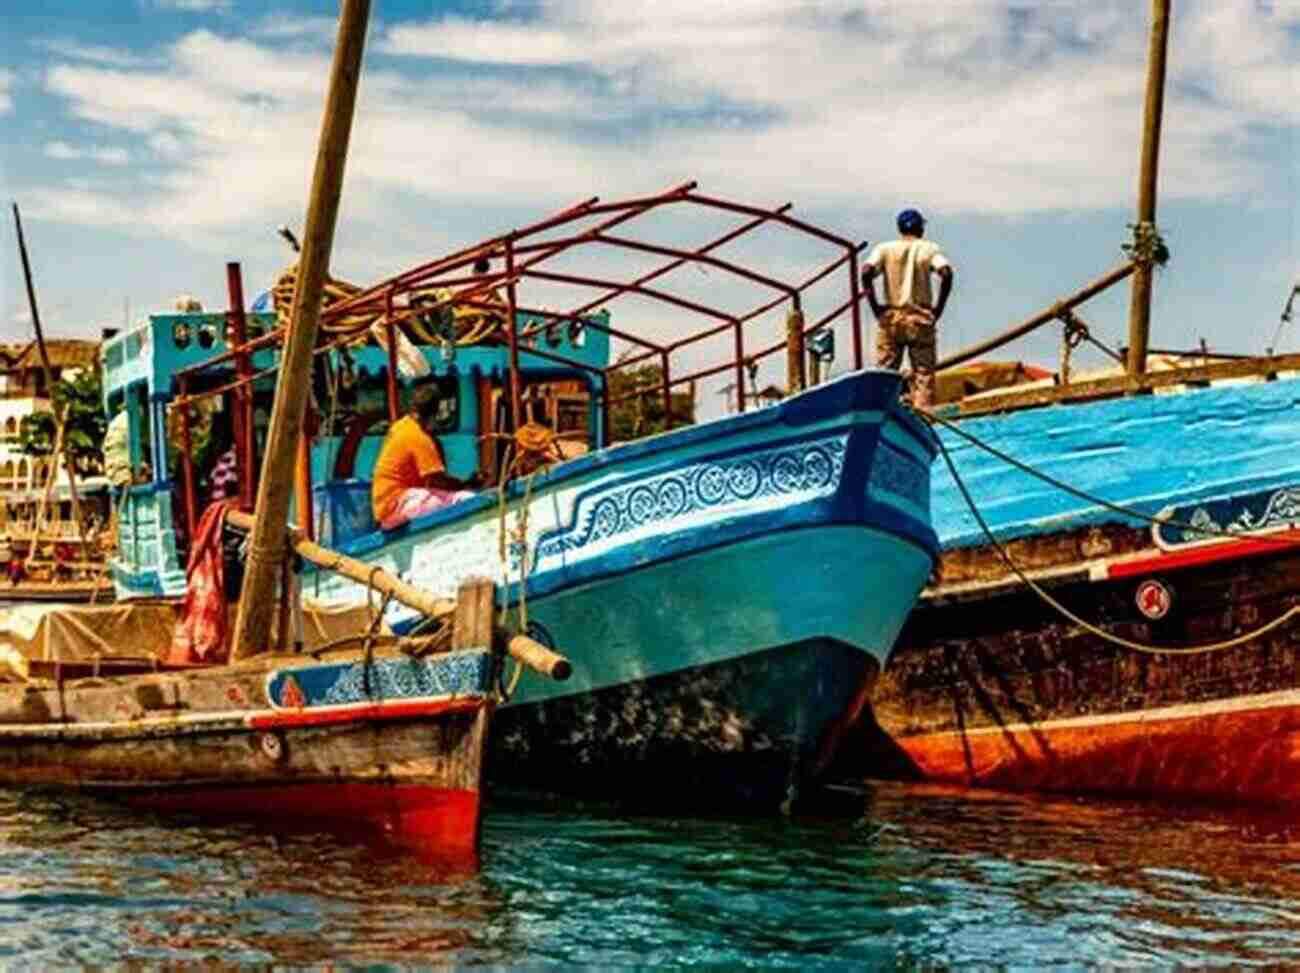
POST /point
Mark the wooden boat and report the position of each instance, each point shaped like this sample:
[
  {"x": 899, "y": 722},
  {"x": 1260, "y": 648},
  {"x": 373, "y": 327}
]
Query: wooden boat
[
  {"x": 382, "y": 740},
  {"x": 708, "y": 582},
  {"x": 1115, "y": 605},
  {"x": 390, "y": 737},
  {"x": 990, "y": 685}
]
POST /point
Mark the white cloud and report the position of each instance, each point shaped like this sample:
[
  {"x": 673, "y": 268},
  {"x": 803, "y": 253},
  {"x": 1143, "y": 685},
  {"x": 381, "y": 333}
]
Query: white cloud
[
  {"x": 107, "y": 155},
  {"x": 194, "y": 6},
  {"x": 6, "y": 81},
  {"x": 93, "y": 54},
  {"x": 973, "y": 106},
  {"x": 320, "y": 30},
  {"x": 485, "y": 41}
]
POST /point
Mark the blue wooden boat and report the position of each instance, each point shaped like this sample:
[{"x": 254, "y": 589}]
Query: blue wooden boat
[
  {"x": 989, "y": 685},
  {"x": 722, "y": 588}
]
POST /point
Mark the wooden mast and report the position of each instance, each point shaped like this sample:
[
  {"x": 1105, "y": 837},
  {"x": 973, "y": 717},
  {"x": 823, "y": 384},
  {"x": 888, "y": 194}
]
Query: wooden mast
[
  {"x": 1139, "y": 318},
  {"x": 267, "y": 544},
  {"x": 49, "y": 390}
]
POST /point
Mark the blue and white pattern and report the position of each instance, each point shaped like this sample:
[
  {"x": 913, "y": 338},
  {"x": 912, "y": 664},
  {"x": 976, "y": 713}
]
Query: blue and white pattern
[
  {"x": 465, "y": 673},
  {"x": 1248, "y": 514},
  {"x": 790, "y": 473}
]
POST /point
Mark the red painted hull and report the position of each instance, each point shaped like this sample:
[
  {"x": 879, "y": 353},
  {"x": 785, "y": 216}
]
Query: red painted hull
[
  {"x": 1243, "y": 749},
  {"x": 441, "y": 822}
]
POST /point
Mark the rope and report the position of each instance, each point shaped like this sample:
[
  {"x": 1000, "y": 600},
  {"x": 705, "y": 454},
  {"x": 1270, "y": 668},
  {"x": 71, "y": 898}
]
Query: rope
[
  {"x": 1118, "y": 508},
  {"x": 435, "y": 315},
  {"x": 1087, "y": 626},
  {"x": 533, "y": 445}
]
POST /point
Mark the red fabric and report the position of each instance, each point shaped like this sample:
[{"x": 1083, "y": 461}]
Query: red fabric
[{"x": 200, "y": 634}]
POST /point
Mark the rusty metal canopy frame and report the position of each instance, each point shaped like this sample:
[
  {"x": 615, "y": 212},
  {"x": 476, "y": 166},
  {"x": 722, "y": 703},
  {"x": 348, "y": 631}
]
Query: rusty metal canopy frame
[{"x": 519, "y": 257}]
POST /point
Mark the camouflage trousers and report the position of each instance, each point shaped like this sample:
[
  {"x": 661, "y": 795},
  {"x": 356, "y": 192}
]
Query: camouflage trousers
[{"x": 909, "y": 329}]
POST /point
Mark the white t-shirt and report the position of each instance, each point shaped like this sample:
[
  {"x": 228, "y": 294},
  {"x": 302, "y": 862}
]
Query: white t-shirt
[{"x": 907, "y": 265}]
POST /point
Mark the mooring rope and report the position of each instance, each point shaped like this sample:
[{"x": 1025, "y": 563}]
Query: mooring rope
[{"x": 1083, "y": 623}]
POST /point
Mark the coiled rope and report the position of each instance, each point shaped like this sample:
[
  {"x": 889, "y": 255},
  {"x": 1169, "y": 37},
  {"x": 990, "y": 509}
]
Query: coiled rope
[
  {"x": 438, "y": 319},
  {"x": 1029, "y": 582}
]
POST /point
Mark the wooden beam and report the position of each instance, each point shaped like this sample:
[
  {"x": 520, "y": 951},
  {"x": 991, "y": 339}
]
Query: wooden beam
[
  {"x": 1123, "y": 384},
  {"x": 1139, "y": 319},
  {"x": 475, "y": 610},
  {"x": 266, "y": 549}
]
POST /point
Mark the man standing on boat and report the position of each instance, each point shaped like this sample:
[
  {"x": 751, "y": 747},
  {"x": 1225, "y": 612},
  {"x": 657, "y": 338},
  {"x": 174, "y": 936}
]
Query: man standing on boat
[
  {"x": 411, "y": 478},
  {"x": 907, "y": 319}
]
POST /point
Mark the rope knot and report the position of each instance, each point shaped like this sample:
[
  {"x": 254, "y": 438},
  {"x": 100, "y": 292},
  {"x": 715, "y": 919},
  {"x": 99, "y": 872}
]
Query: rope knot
[{"x": 1148, "y": 246}]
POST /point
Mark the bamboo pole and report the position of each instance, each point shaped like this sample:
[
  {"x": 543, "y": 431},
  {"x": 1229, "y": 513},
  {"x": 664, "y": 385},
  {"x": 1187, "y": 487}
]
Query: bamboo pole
[
  {"x": 267, "y": 544},
  {"x": 522, "y": 648},
  {"x": 1139, "y": 319}
]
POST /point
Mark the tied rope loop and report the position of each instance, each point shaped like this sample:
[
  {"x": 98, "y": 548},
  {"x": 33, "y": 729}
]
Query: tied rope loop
[
  {"x": 532, "y": 447},
  {"x": 1083, "y": 623}
]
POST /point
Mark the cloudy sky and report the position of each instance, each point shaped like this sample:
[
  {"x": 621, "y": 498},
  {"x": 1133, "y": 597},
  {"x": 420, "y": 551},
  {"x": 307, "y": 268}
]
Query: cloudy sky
[{"x": 149, "y": 141}]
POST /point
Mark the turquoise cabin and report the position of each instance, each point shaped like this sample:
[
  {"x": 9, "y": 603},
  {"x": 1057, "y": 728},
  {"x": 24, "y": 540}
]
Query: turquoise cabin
[{"x": 140, "y": 368}]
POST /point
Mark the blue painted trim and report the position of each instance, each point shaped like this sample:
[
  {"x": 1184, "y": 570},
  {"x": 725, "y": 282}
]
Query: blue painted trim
[{"x": 842, "y": 398}]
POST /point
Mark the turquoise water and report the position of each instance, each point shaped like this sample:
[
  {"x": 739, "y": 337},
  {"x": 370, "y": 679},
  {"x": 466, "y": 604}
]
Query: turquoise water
[{"x": 910, "y": 876}]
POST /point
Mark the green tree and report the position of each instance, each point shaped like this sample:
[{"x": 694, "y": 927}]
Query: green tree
[
  {"x": 643, "y": 415},
  {"x": 80, "y": 401}
]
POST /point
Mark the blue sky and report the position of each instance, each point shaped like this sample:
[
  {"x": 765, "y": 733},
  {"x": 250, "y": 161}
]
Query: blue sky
[{"x": 149, "y": 141}]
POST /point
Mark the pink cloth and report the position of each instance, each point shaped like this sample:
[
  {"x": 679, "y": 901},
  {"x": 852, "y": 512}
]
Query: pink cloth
[
  {"x": 418, "y": 501},
  {"x": 200, "y": 634}
]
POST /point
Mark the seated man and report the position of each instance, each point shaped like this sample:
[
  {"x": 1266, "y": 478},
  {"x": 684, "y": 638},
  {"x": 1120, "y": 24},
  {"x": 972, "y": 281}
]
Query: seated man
[{"x": 411, "y": 479}]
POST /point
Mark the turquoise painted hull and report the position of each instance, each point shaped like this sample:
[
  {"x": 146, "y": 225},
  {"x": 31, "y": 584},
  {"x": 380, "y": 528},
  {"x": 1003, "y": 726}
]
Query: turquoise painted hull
[{"x": 767, "y": 593}]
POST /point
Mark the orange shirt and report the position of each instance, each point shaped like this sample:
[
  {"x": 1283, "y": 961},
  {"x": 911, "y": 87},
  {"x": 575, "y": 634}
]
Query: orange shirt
[{"x": 407, "y": 458}]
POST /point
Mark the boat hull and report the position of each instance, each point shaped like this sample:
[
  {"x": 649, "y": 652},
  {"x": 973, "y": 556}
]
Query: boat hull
[
  {"x": 745, "y": 732},
  {"x": 730, "y": 667},
  {"x": 997, "y": 691},
  {"x": 389, "y": 744}
]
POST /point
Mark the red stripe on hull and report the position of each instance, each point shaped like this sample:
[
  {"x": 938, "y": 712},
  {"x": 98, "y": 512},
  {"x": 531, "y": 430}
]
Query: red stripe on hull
[
  {"x": 442, "y": 822},
  {"x": 1208, "y": 554},
  {"x": 1216, "y": 754},
  {"x": 355, "y": 714}
]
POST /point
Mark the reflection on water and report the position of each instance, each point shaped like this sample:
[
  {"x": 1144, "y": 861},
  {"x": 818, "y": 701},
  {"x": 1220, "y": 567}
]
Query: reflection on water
[{"x": 921, "y": 875}]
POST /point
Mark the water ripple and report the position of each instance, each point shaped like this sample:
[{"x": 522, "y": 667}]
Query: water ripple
[{"x": 920, "y": 877}]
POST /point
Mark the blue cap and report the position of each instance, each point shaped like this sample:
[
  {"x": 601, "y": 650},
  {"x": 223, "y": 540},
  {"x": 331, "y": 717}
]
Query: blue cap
[{"x": 910, "y": 220}]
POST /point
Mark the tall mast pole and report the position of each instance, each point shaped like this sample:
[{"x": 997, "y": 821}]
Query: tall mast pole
[
  {"x": 1139, "y": 315},
  {"x": 49, "y": 384},
  {"x": 266, "y": 550}
]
